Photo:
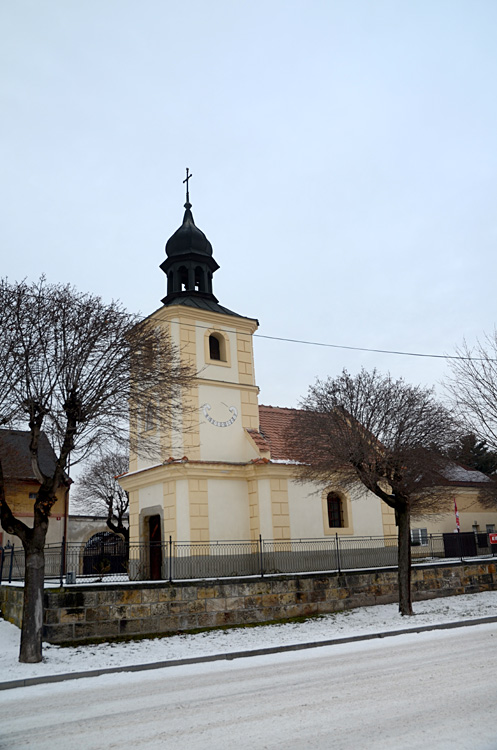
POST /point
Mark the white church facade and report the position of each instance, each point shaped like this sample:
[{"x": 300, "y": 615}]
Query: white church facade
[{"x": 222, "y": 472}]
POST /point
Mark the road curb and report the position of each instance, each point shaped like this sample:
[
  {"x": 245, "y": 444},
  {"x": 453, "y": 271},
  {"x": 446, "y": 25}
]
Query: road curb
[{"x": 229, "y": 656}]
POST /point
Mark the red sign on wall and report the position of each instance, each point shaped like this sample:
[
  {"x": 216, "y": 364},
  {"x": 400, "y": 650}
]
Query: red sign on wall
[{"x": 492, "y": 538}]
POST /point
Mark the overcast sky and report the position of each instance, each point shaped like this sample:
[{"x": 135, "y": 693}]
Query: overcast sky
[{"x": 343, "y": 157}]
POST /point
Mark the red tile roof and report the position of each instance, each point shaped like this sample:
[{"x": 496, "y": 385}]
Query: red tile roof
[{"x": 274, "y": 427}]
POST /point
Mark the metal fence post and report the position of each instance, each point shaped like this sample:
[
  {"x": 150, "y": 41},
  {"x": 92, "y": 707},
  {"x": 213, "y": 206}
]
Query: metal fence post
[
  {"x": 11, "y": 563},
  {"x": 2, "y": 557},
  {"x": 62, "y": 561},
  {"x": 261, "y": 557},
  {"x": 170, "y": 559},
  {"x": 338, "y": 553}
]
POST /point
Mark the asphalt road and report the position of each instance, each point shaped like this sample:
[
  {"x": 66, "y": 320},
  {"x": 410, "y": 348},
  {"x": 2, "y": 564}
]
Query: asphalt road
[{"x": 434, "y": 691}]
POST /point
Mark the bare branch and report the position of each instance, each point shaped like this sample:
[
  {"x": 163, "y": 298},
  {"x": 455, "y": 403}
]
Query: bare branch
[
  {"x": 473, "y": 387},
  {"x": 79, "y": 371}
]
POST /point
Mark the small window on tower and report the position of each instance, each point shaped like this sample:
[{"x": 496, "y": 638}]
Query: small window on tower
[
  {"x": 217, "y": 348},
  {"x": 214, "y": 347}
]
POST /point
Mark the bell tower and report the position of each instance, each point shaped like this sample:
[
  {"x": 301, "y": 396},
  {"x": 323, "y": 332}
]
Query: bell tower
[{"x": 189, "y": 264}]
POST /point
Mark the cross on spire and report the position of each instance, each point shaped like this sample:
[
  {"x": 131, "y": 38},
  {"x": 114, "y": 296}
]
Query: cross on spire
[{"x": 188, "y": 177}]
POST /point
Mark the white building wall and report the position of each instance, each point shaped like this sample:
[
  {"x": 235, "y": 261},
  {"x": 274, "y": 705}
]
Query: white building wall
[
  {"x": 150, "y": 496},
  {"x": 307, "y": 519},
  {"x": 366, "y": 513},
  {"x": 221, "y": 441},
  {"x": 228, "y": 509},
  {"x": 305, "y": 506}
]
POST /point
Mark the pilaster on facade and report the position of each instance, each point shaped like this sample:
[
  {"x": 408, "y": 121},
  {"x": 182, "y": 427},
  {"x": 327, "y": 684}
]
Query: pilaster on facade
[
  {"x": 191, "y": 424},
  {"x": 188, "y": 345},
  {"x": 134, "y": 515},
  {"x": 254, "y": 516},
  {"x": 199, "y": 510},
  {"x": 245, "y": 358},
  {"x": 388, "y": 518},
  {"x": 250, "y": 408},
  {"x": 280, "y": 508},
  {"x": 169, "y": 490}
]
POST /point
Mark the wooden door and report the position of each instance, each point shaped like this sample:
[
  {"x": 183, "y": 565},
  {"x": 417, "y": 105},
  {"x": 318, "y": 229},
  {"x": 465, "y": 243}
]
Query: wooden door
[{"x": 155, "y": 541}]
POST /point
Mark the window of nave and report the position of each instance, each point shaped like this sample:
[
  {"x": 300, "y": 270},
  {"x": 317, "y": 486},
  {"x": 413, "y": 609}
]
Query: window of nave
[{"x": 337, "y": 517}]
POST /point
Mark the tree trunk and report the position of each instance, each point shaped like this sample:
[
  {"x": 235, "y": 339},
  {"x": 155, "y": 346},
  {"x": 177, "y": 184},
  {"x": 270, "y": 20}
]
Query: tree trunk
[
  {"x": 403, "y": 519},
  {"x": 32, "y": 612}
]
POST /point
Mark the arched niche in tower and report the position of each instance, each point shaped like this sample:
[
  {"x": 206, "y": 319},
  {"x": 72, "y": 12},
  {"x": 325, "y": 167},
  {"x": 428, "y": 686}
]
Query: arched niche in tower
[{"x": 217, "y": 348}]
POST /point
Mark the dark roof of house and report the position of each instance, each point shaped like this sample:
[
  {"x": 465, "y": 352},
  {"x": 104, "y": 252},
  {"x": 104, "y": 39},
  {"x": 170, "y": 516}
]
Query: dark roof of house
[{"x": 16, "y": 459}]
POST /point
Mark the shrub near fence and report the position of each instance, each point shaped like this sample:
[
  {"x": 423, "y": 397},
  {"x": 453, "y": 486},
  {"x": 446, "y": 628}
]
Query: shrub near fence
[{"x": 172, "y": 560}]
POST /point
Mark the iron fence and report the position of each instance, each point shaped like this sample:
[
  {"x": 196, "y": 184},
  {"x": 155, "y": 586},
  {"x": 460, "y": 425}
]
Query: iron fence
[{"x": 112, "y": 559}]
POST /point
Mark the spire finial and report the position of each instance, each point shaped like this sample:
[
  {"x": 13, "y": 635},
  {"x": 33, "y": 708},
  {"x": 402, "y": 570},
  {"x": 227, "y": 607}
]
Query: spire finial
[{"x": 188, "y": 176}]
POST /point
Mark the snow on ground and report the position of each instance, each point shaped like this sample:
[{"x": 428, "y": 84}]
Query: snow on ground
[
  {"x": 415, "y": 691},
  {"x": 361, "y": 621}
]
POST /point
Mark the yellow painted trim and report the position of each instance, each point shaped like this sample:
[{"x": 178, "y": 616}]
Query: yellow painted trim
[
  {"x": 165, "y": 472},
  {"x": 254, "y": 514},
  {"x": 388, "y": 520},
  {"x": 191, "y": 424},
  {"x": 228, "y": 384},
  {"x": 169, "y": 504},
  {"x": 169, "y": 312},
  {"x": 280, "y": 509},
  {"x": 199, "y": 510}
]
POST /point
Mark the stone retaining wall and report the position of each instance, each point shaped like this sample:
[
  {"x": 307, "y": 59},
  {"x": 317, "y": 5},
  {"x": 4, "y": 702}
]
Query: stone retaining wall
[{"x": 107, "y": 611}]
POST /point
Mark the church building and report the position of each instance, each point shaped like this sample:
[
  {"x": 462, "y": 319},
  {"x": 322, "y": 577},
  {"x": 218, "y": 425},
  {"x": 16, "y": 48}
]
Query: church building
[{"x": 222, "y": 472}]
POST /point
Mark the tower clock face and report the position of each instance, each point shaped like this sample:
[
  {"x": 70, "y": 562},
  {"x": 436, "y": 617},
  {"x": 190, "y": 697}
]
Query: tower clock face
[{"x": 218, "y": 423}]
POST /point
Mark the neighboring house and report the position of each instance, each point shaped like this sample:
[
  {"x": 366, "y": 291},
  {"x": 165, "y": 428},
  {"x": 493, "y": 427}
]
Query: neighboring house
[
  {"x": 467, "y": 485},
  {"x": 222, "y": 472},
  {"x": 21, "y": 484}
]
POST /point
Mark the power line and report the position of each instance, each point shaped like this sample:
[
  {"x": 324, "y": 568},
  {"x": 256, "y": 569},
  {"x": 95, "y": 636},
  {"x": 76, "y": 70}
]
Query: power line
[
  {"x": 365, "y": 349},
  {"x": 351, "y": 348},
  {"x": 342, "y": 346}
]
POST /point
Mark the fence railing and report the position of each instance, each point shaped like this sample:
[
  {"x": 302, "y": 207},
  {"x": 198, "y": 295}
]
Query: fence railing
[{"x": 114, "y": 560}]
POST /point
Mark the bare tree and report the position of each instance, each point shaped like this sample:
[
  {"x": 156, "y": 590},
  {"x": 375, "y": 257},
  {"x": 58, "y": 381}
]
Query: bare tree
[
  {"x": 81, "y": 371},
  {"x": 388, "y": 435},
  {"x": 98, "y": 492},
  {"x": 473, "y": 387}
]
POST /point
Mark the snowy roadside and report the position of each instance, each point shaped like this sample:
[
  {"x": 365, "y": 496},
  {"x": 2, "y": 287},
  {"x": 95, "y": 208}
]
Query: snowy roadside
[{"x": 356, "y": 622}]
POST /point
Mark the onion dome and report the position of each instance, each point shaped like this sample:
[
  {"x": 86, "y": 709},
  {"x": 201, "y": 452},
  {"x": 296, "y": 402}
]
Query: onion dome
[{"x": 188, "y": 238}]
